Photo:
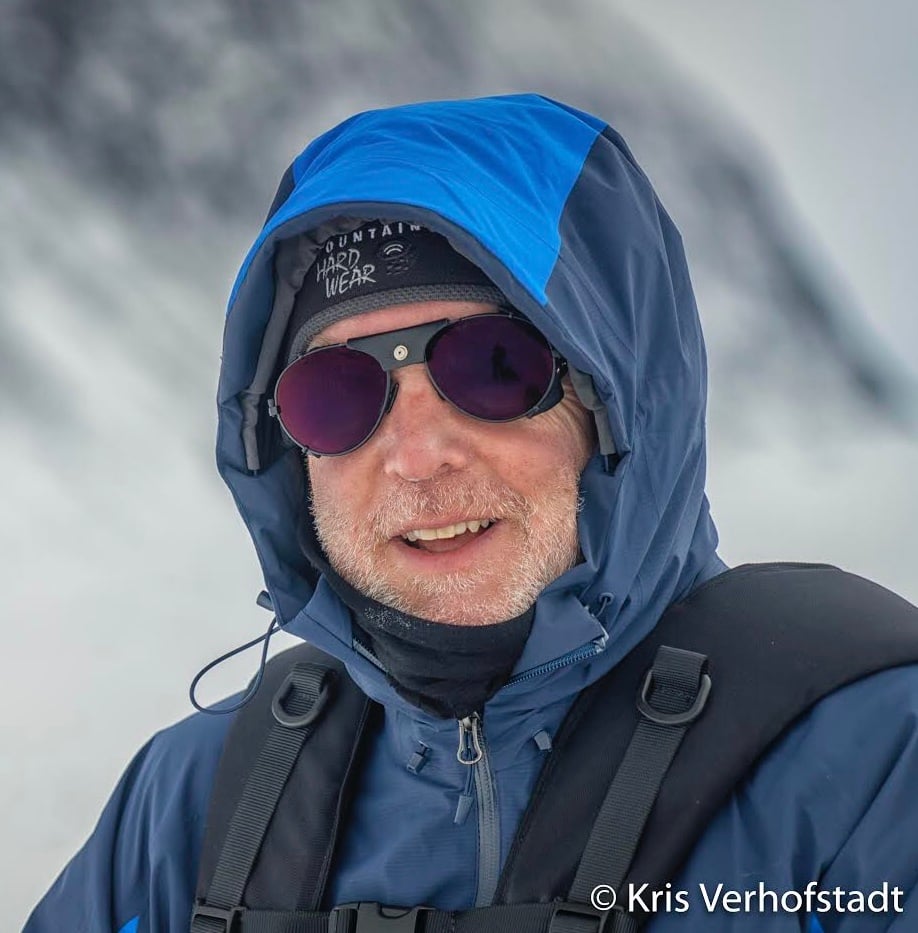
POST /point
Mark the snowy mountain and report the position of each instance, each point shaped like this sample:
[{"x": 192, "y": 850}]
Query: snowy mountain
[
  {"x": 142, "y": 146},
  {"x": 182, "y": 118}
]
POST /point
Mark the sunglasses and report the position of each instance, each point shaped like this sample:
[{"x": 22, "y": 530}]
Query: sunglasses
[{"x": 494, "y": 367}]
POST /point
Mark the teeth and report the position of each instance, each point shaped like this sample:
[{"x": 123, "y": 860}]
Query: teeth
[{"x": 450, "y": 531}]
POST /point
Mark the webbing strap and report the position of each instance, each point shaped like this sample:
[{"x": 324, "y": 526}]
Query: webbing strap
[
  {"x": 673, "y": 695},
  {"x": 296, "y": 707},
  {"x": 577, "y": 918},
  {"x": 372, "y": 918}
]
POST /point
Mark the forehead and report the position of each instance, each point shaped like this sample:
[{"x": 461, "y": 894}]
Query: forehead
[{"x": 396, "y": 316}]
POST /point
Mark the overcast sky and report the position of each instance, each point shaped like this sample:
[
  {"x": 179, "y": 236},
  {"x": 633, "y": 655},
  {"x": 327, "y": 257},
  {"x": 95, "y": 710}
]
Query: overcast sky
[{"x": 829, "y": 88}]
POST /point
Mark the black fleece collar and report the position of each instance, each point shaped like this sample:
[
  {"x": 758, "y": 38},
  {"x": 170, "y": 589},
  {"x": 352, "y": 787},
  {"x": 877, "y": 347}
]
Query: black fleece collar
[{"x": 449, "y": 671}]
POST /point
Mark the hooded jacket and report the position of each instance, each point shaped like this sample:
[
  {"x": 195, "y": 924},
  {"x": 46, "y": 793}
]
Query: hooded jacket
[{"x": 550, "y": 203}]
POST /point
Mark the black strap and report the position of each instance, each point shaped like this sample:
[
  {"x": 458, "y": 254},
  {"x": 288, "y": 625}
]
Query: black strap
[
  {"x": 296, "y": 707},
  {"x": 374, "y": 918},
  {"x": 673, "y": 695},
  {"x": 292, "y": 867},
  {"x": 778, "y": 637}
]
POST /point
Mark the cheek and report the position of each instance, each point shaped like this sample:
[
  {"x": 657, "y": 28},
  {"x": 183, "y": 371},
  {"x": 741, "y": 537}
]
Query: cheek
[
  {"x": 568, "y": 435},
  {"x": 331, "y": 485},
  {"x": 542, "y": 456}
]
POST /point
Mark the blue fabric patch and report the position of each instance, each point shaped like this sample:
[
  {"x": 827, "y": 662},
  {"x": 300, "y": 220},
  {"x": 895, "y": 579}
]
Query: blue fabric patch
[
  {"x": 815, "y": 926},
  {"x": 132, "y": 926},
  {"x": 499, "y": 167}
]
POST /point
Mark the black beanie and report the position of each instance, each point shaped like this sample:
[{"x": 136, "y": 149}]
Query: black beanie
[{"x": 381, "y": 263}]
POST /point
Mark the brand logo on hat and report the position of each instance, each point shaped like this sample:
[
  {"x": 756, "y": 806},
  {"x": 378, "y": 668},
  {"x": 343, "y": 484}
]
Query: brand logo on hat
[
  {"x": 343, "y": 270},
  {"x": 343, "y": 267},
  {"x": 398, "y": 256},
  {"x": 380, "y": 264}
]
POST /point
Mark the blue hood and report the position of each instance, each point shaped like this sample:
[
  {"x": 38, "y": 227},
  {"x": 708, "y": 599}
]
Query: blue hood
[{"x": 550, "y": 203}]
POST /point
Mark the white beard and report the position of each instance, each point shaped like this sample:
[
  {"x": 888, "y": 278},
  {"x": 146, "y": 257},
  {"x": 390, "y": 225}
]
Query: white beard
[{"x": 544, "y": 535}]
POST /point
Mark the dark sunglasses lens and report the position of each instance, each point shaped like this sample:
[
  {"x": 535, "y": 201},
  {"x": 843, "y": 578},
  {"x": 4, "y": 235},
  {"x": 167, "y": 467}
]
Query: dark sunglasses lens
[
  {"x": 492, "y": 367},
  {"x": 330, "y": 400}
]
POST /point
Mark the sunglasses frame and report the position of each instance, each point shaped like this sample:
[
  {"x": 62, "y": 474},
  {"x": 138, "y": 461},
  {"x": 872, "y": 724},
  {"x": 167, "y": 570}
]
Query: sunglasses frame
[{"x": 407, "y": 346}]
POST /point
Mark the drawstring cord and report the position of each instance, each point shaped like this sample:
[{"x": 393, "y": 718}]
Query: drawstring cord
[{"x": 264, "y": 600}]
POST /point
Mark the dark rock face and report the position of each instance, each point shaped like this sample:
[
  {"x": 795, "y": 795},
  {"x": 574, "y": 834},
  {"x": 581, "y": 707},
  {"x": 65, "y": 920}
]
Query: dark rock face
[{"x": 178, "y": 118}]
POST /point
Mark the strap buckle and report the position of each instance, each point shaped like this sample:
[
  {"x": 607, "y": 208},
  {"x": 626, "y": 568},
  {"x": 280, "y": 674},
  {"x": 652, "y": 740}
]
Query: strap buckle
[
  {"x": 584, "y": 912},
  {"x": 370, "y": 917},
  {"x": 228, "y": 916}
]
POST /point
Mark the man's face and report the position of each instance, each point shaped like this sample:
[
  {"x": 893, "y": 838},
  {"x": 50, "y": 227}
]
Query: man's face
[{"x": 429, "y": 468}]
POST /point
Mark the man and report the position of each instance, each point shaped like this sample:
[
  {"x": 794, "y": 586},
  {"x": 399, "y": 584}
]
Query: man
[{"x": 462, "y": 413}]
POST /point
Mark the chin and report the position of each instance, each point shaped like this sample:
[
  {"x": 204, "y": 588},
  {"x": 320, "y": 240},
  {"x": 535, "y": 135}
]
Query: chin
[{"x": 458, "y": 609}]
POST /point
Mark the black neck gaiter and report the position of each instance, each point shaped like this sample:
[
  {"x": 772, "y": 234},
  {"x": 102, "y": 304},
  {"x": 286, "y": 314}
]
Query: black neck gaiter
[
  {"x": 446, "y": 670},
  {"x": 449, "y": 671}
]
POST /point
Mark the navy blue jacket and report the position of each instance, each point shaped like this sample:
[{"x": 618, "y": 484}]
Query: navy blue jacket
[{"x": 551, "y": 204}]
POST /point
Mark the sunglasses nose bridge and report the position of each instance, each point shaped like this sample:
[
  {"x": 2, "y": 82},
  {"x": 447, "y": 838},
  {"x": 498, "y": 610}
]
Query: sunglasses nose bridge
[{"x": 396, "y": 349}]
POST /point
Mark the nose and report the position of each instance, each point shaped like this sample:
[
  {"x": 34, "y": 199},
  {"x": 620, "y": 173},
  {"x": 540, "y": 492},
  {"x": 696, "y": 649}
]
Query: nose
[{"x": 422, "y": 436}]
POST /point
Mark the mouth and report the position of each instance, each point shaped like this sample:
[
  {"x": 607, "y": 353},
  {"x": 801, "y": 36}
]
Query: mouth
[{"x": 444, "y": 538}]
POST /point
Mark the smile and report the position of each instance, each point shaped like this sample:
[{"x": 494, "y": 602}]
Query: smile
[{"x": 448, "y": 531}]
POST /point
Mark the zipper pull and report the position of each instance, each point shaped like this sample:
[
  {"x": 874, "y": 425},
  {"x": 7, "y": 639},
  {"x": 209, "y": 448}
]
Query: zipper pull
[
  {"x": 466, "y": 799},
  {"x": 470, "y": 752}
]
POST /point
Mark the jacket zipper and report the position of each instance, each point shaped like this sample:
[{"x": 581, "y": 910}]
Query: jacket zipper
[
  {"x": 572, "y": 657},
  {"x": 473, "y": 753},
  {"x": 366, "y": 653},
  {"x": 589, "y": 650}
]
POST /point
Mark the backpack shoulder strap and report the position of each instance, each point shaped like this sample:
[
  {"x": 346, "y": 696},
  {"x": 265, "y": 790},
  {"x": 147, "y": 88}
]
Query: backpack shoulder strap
[
  {"x": 778, "y": 638},
  {"x": 262, "y": 846}
]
